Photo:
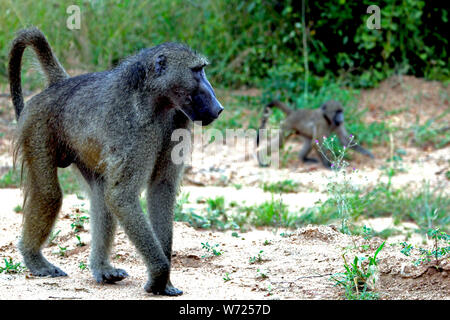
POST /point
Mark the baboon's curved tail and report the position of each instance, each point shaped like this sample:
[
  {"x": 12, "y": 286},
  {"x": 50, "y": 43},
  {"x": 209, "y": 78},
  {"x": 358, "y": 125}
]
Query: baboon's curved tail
[{"x": 53, "y": 70}]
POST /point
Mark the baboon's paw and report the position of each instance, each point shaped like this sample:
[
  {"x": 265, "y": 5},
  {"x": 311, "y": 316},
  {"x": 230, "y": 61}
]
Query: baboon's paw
[
  {"x": 310, "y": 160},
  {"x": 110, "y": 275},
  {"x": 172, "y": 291},
  {"x": 169, "y": 290},
  {"x": 50, "y": 271}
]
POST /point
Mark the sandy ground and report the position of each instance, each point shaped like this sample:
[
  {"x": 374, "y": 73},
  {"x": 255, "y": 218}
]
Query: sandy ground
[{"x": 297, "y": 266}]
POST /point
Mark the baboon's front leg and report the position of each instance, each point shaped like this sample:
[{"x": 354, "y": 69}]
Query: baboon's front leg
[
  {"x": 122, "y": 200},
  {"x": 161, "y": 198}
]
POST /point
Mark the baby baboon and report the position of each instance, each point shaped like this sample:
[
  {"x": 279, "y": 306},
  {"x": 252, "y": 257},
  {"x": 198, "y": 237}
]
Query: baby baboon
[
  {"x": 312, "y": 125},
  {"x": 115, "y": 127}
]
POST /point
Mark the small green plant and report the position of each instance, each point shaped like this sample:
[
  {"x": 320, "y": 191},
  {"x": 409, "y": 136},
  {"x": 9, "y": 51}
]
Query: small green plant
[
  {"x": 79, "y": 242},
  {"x": 394, "y": 164},
  {"x": 62, "y": 251},
  {"x": 269, "y": 290},
  {"x": 211, "y": 250},
  {"x": 18, "y": 208},
  {"x": 226, "y": 278},
  {"x": 339, "y": 187},
  {"x": 359, "y": 277},
  {"x": 256, "y": 259},
  {"x": 406, "y": 248},
  {"x": 267, "y": 242},
  {"x": 82, "y": 266},
  {"x": 11, "y": 266},
  {"x": 262, "y": 274},
  {"x": 78, "y": 223},
  {"x": 436, "y": 254},
  {"x": 367, "y": 232},
  {"x": 286, "y": 234}
]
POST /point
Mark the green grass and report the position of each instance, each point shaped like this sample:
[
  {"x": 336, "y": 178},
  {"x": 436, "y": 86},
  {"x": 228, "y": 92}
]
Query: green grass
[
  {"x": 212, "y": 250},
  {"x": 284, "y": 186},
  {"x": 11, "y": 267},
  {"x": 67, "y": 179},
  {"x": 359, "y": 276},
  {"x": 431, "y": 133},
  {"x": 78, "y": 222},
  {"x": 11, "y": 179},
  {"x": 106, "y": 36},
  {"x": 269, "y": 213},
  {"x": 427, "y": 207}
]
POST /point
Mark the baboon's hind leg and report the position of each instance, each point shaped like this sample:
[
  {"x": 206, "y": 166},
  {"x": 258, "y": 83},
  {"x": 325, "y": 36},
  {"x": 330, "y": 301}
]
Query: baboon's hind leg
[
  {"x": 103, "y": 226},
  {"x": 44, "y": 199}
]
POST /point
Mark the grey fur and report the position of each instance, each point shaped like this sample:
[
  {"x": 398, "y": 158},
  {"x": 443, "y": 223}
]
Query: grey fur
[
  {"x": 311, "y": 125},
  {"x": 115, "y": 127}
]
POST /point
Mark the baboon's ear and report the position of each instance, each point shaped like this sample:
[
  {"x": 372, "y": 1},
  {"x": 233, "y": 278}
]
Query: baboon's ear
[
  {"x": 160, "y": 64},
  {"x": 323, "y": 107},
  {"x": 137, "y": 75}
]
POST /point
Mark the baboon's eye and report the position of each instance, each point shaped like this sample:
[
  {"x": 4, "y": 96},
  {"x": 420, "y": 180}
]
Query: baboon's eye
[{"x": 197, "y": 69}]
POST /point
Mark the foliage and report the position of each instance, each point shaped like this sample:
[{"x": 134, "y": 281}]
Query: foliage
[
  {"x": 248, "y": 40},
  {"x": 284, "y": 186},
  {"x": 78, "y": 222},
  {"x": 431, "y": 133},
  {"x": 212, "y": 250},
  {"x": 256, "y": 259},
  {"x": 359, "y": 277},
  {"x": 439, "y": 251},
  {"x": 10, "y": 179},
  {"x": 11, "y": 266}
]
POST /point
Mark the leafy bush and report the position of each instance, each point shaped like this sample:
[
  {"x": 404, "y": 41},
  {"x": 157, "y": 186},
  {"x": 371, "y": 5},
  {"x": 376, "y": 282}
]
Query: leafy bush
[{"x": 248, "y": 40}]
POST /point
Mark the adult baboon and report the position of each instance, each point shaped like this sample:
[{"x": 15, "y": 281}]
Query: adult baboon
[
  {"x": 115, "y": 127},
  {"x": 311, "y": 125}
]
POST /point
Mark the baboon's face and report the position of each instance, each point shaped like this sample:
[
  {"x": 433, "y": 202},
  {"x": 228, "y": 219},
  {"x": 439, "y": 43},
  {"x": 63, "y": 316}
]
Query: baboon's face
[
  {"x": 334, "y": 112},
  {"x": 201, "y": 103},
  {"x": 179, "y": 75}
]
